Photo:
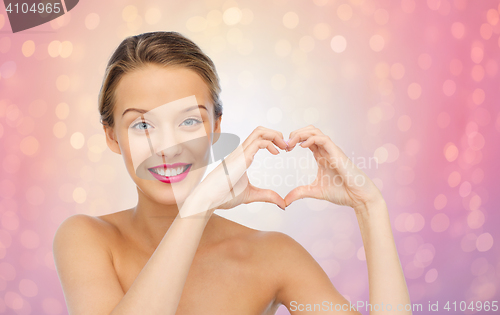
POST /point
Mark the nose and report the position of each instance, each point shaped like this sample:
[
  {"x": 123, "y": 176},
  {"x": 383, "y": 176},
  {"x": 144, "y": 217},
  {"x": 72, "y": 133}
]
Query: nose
[{"x": 169, "y": 146}]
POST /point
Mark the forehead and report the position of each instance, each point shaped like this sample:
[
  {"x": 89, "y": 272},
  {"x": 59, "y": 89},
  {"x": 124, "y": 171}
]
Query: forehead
[{"x": 153, "y": 86}]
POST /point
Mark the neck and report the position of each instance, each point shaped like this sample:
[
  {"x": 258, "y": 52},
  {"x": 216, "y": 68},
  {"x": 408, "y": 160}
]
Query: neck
[{"x": 152, "y": 219}]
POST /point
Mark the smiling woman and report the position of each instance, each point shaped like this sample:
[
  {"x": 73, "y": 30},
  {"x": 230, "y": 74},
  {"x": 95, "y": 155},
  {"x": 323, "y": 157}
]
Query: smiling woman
[{"x": 170, "y": 254}]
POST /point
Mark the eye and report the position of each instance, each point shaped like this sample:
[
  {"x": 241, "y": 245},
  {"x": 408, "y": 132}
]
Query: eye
[
  {"x": 142, "y": 126},
  {"x": 191, "y": 122}
]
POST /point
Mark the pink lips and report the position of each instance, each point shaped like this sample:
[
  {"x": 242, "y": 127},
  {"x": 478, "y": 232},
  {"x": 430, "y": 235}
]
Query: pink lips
[{"x": 170, "y": 179}]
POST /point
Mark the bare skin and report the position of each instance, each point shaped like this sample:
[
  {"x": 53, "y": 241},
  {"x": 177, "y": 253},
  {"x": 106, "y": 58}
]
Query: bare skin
[{"x": 149, "y": 260}]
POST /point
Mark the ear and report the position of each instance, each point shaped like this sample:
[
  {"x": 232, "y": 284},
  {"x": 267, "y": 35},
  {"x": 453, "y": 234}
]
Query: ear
[
  {"x": 111, "y": 139},
  {"x": 217, "y": 129}
]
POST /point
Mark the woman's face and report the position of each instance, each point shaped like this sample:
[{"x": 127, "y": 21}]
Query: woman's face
[{"x": 164, "y": 119}]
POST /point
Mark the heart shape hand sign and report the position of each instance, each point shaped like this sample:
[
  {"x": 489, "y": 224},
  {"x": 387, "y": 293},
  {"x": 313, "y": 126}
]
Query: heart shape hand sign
[{"x": 175, "y": 132}]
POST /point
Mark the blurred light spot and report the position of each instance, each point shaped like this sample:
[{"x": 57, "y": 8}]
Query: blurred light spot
[
  {"x": 245, "y": 79},
  {"x": 450, "y": 152},
  {"x": 478, "y": 96},
  {"x": 361, "y": 253},
  {"x": 468, "y": 242},
  {"x": 424, "y": 255},
  {"x": 424, "y": 61},
  {"x": 66, "y": 49},
  {"x": 62, "y": 110},
  {"x": 412, "y": 147},
  {"x": 457, "y": 30},
  {"x": 382, "y": 70},
  {"x": 59, "y": 129},
  {"x": 486, "y": 31},
  {"x": 246, "y": 16},
  {"x": 443, "y": 120},
  {"x": 454, "y": 179},
  {"x": 476, "y": 54},
  {"x": 29, "y": 145},
  {"x": 234, "y": 36},
  {"x": 479, "y": 266},
  {"x": 196, "y": 24},
  {"x": 449, "y": 87},
  {"x": 13, "y": 300},
  {"x": 320, "y": 3},
  {"x": 4, "y": 44},
  {"x": 492, "y": 16},
  {"x": 381, "y": 155},
  {"x": 79, "y": 195},
  {"x": 11, "y": 164},
  {"x": 54, "y": 48},
  {"x": 49, "y": 260},
  {"x": 408, "y": 6},
  {"x": 52, "y": 306},
  {"x": 431, "y": 275},
  {"x": 440, "y": 202},
  {"x": 338, "y": 43},
  {"x": 381, "y": 16},
  {"x": 321, "y": 31},
  {"x": 28, "y": 288},
  {"x": 311, "y": 115},
  {"x": 291, "y": 20},
  {"x": 274, "y": 115},
  {"x": 62, "y": 82},
  {"x": 404, "y": 175},
  {"x": 10, "y": 220},
  {"x": 456, "y": 67},
  {"x": 465, "y": 189},
  {"x": 414, "y": 91},
  {"x": 412, "y": 270},
  {"x": 322, "y": 248},
  {"x": 278, "y": 82},
  {"x": 92, "y": 21},
  {"x": 232, "y": 16},
  {"x": 218, "y": 43},
  {"x": 77, "y": 140},
  {"x": 476, "y": 141},
  {"x": 28, "y": 48},
  {"x": 374, "y": 114},
  {"x": 30, "y": 239},
  {"x": 129, "y": 13},
  {"x": 283, "y": 48},
  {"x": 484, "y": 242},
  {"x": 397, "y": 71},
  {"x": 440, "y": 222},
  {"x": 306, "y": 43},
  {"x": 246, "y": 47},
  {"x": 404, "y": 123},
  {"x": 475, "y": 219},
  {"x": 477, "y": 176},
  {"x": 7, "y": 69},
  {"x": 434, "y": 4},
  {"x": 35, "y": 195},
  {"x": 153, "y": 16},
  {"x": 377, "y": 42},
  {"x": 477, "y": 73},
  {"x": 344, "y": 12}
]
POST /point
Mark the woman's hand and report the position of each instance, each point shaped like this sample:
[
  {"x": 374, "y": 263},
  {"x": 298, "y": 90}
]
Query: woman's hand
[
  {"x": 215, "y": 186},
  {"x": 338, "y": 180}
]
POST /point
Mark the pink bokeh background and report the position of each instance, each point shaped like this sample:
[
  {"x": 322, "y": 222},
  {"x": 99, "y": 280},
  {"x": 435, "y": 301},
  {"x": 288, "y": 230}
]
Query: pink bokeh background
[{"x": 414, "y": 84}]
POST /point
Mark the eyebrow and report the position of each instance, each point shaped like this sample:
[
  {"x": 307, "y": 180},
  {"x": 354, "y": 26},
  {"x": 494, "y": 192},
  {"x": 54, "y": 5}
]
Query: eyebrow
[{"x": 143, "y": 111}]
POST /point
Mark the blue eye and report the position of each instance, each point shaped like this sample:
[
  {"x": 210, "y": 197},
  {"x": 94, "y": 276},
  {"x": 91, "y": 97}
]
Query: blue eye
[
  {"x": 191, "y": 120},
  {"x": 142, "y": 124}
]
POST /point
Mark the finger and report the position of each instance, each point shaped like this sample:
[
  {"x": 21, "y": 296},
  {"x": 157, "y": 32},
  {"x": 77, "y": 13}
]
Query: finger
[
  {"x": 266, "y": 134},
  {"x": 310, "y": 128},
  {"x": 265, "y": 195},
  {"x": 306, "y": 191},
  {"x": 302, "y": 135}
]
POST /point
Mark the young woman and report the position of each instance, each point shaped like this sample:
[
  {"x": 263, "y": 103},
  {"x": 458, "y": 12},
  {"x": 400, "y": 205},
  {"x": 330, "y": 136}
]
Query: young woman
[{"x": 151, "y": 260}]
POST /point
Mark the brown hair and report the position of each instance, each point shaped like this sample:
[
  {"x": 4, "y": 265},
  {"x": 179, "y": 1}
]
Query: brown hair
[{"x": 160, "y": 48}]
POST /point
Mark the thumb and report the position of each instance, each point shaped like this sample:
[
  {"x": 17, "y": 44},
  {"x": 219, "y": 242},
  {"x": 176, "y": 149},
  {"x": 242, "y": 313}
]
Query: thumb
[
  {"x": 265, "y": 195},
  {"x": 305, "y": 191}
]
